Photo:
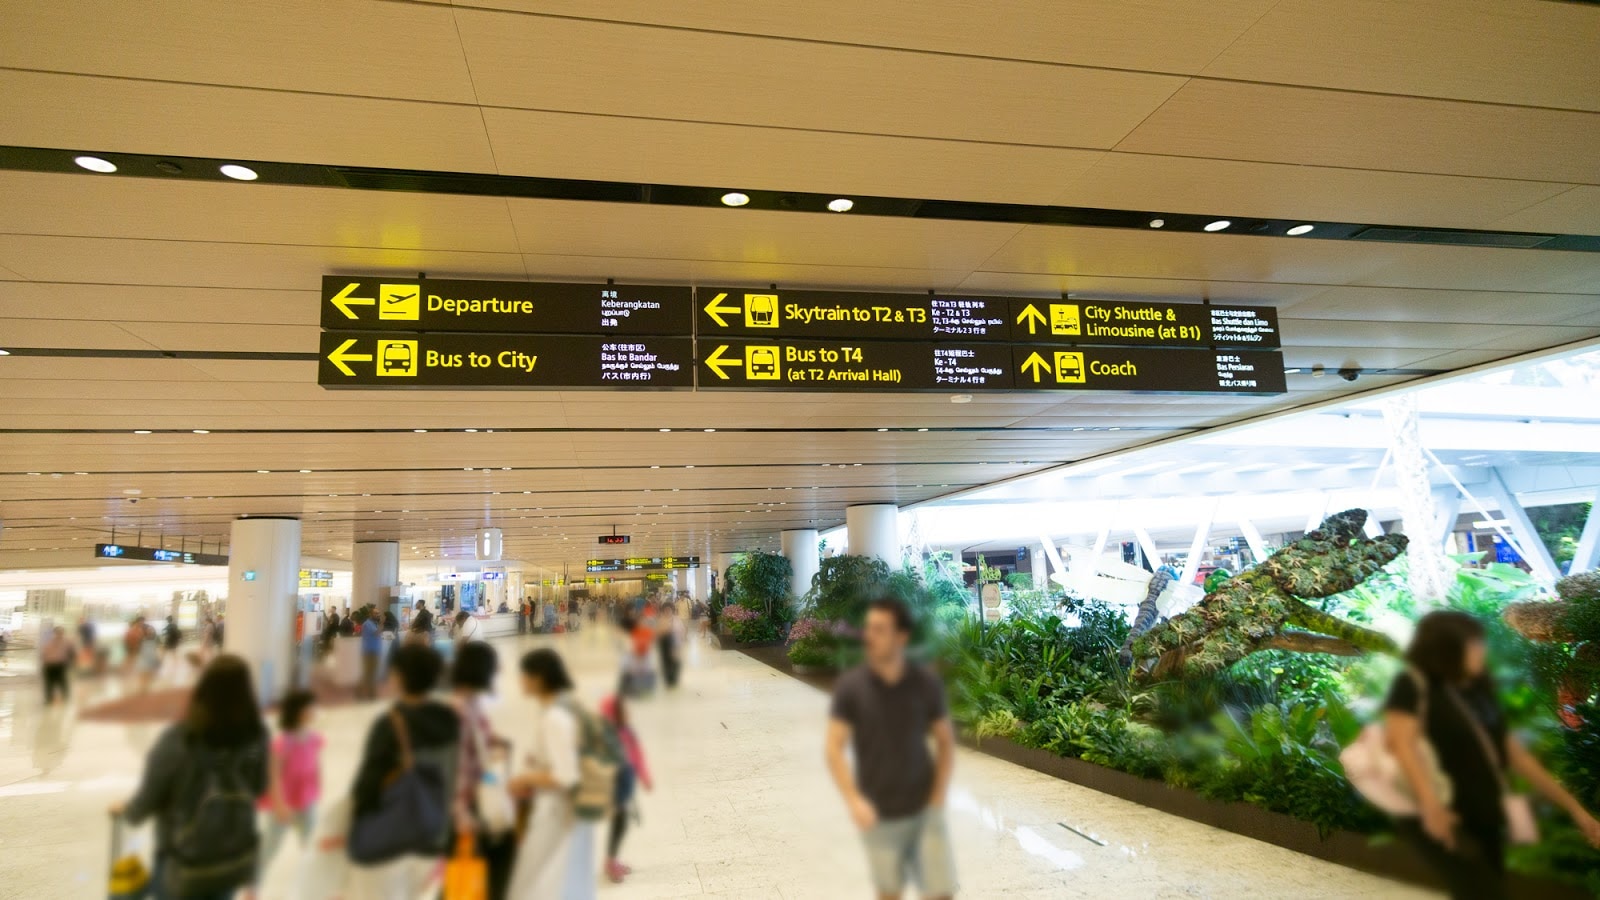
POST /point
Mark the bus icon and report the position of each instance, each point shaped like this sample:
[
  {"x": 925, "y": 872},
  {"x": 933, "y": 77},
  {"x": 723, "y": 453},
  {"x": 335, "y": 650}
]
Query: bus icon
[
  {"x": 397, "y": 358},
  {"x": 761, "y": 363},
  {"x": 1069, "y": 368},
  {"x": 761, "y": 310}
]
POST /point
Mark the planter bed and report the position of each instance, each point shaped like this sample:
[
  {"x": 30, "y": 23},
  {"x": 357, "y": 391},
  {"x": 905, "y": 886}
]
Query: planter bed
[
  {"x": 725, "y": 642},
  {"x": 1345, "y": 848}
]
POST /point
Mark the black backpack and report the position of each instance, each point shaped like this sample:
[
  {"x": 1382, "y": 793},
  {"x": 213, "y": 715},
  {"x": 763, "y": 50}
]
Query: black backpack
[{"x": 214, "y": 842}]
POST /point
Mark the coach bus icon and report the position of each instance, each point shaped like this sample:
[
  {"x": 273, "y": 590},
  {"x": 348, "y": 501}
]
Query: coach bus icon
[{"x": 397, "y": 358}]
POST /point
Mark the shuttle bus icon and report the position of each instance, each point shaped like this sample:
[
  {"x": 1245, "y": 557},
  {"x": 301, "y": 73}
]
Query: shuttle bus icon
[
  {"x": 761, "y": 364},
  {"x": 397, "y": 356}
]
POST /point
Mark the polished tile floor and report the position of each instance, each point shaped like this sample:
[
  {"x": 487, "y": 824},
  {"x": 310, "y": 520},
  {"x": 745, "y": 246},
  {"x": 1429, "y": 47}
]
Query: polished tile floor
[{"x": 743, "y": 805}]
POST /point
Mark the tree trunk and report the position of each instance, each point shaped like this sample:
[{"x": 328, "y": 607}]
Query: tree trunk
[{"x": 1306, "y": 616}]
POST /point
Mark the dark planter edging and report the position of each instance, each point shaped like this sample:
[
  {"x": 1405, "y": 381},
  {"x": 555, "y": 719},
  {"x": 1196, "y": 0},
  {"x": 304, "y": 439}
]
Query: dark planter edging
[
  {"x": 1345, "y": 848},
  {"x": 728, "y": 643}
]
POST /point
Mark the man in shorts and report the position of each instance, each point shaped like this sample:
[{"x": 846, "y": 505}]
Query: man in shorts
[{"x": 886, "y": 709}]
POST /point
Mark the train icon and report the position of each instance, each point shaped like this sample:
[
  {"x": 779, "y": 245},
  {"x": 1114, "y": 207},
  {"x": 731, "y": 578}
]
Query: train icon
[{"x": 761, "y": 310}]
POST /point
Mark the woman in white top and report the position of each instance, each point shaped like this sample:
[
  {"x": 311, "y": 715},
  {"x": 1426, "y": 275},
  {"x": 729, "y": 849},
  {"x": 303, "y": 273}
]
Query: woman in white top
[
  {"x": 557, "y": 858},
  {"x": 468, "y": 628}
]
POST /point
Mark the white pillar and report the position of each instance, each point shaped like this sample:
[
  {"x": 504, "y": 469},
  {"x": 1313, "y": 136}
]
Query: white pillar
[
  {"x": 720, "y": 563},
  {"x": 800, "y": 549},
  {"x": 375, "y": 569},
  {"x": 263, "y": 596},
  {"x": 1039, "y": 567},
  {"x": 874, "y": 530}
]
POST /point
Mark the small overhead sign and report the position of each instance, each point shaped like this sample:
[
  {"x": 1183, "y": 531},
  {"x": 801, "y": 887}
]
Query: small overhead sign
[
  {"x": 1131, "y": 324},
  {"x": 391, "y": 303},
  {"x": 158, "y": 554},
  {"x": 615, "y": 539},
  {"x": 850, "y": 314}
]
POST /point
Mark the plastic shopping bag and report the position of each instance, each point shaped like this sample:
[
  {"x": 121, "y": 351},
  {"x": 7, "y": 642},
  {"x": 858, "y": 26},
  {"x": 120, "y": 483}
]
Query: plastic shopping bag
[
  {"x": 466, "y": 875},
  {"x": 128, "y": 878}
]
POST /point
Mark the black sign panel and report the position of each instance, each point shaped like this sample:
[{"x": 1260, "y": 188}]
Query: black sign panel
[
  {"x": 846, "y": 365},
  {"x": 1050, "y": 368},
  {"x": 393, "y": 303},
  {"x": 157, "y": 554},
  {"x": 844, "y": 314},
  {"x": 1127, "y": 324},
  {"x": 615, "y": 538},
  {"x": 366, "y": 360}
]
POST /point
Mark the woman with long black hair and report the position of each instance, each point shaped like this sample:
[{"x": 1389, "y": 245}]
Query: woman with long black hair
[
  {"x": 1446, "y": 701},
  {"x": 200, "y": 783}
]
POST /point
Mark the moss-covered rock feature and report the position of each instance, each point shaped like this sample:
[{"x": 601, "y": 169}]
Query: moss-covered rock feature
[{"x": 1265, "y": 608}]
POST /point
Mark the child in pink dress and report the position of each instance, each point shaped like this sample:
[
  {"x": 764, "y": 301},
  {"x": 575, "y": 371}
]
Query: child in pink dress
[
  {"x": 633, "y": 770},
  {"x": 294, "y": 780}
]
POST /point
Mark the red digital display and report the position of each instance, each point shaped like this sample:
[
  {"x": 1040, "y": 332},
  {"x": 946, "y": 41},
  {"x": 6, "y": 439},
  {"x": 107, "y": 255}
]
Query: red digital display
[{"x": 615, "y": 539}]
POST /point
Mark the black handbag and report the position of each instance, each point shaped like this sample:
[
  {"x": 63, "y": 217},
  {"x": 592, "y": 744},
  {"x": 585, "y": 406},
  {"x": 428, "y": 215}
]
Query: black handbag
[{"x": 411, "y": 817}]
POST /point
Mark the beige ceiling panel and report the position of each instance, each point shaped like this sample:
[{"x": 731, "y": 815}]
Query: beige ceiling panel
[
  {"x": 1303, "y": 126},
  {"x": 612, "y": 148},
  {"x": 134, "y": 371},
  {"x": 1461, "y": 359},
  {"x": 866, "y": 278},
  {"x": 1137, "y": 288},
  {"x": 750, "y": 236},
  {"x": 1273, "y": 191},
  {"x": 531, "y": 62},
  {"x": 1412, "y": 305},
  {"x": 404, "y": 50},
  {"x": 107, "y": 391},
  {"x": 1576, "y": 211},
  {"x": 1187, "y": 256},
  {"x": 1498, "y": 51},
  {"x": 1590, "y": 316},
  {"x": 1538, "y": 337},
  {"x": 198, "y": 264},
  {"x": 77, "y": 204},
  {"x": 230, "y": 338},
  {"x": 109, "y": 114},
  {"x": 46, "y": 333},
  {"x": 257, "y": 370},
  {"x": 110, "y": 302},
  {"x": 1478, "y": 268},
  {"x": 1151, "y": 35}
]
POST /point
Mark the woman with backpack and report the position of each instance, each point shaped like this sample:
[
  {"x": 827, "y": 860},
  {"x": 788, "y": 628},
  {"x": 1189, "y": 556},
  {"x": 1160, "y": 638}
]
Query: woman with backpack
[
  {"x": 200, "y": 783},
  {"x": 556, "y": 857}
]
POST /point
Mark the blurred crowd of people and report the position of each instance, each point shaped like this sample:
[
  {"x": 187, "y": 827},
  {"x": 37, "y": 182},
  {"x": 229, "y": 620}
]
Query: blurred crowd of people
[{"x": 438, "y": 793}]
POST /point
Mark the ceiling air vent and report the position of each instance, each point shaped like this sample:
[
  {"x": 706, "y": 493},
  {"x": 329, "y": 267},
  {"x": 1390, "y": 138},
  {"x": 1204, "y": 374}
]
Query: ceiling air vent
[{"x": 1520, "y": 240}]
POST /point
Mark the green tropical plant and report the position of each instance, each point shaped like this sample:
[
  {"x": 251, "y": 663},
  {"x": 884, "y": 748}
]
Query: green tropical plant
[{"x": 759, "y": 582}]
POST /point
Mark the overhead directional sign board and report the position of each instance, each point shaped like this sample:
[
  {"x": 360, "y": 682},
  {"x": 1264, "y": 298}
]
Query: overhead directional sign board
[
  {"x": 863, "y": 316},
  {"x": 368, "y": 360},
  {"x": 158, "y": 554},
  {"x": 642, "y": 563},
  {"x": 846, "y": 365},
  {"x": 1146, "y": 369},
  {"x": 409, "y": 333},
  {"x": 1124, "y": 324},
  {"x": 395, "y": 303}
]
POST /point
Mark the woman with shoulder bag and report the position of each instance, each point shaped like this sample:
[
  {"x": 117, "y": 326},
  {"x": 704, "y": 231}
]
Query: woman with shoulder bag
[
  {"x": 483, "y": 806},
  {"x": 1448, "y": 701},
  {"x": 556, "y": 858},
  {"x": 200, "y": 782}
]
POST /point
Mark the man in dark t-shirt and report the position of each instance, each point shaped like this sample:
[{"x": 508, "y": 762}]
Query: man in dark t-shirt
[{"x": 887, "y": 709}]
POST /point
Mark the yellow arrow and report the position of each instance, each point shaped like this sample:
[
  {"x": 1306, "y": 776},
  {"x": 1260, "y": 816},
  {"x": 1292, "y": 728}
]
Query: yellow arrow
[
  {"x": 717, "y": 311},
  {"x": 344, "y": 301},
  {"x": 339, "y": 357},
  {"x": 716, "y": 361},
  {"x": 1036, "y": 363},
  {"x": 1031, "y": 314}
]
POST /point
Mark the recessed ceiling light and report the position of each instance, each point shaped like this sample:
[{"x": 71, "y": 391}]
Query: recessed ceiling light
[
  {"x": 263, "y": 471},
  {"x": 734, "y": 198},
  {"x": 80, "y": 473},
  {"x": 664, "y": 430},
  {"x": 5, "y": 352},
  {"x": 471, "y": 430},
  {"x": 420, "y": 430},
  {"x": 961, "y": 398},
  {"x": 1301, "y": 229},
  {"x": 466, "y": 468},
  {"x": 239, "y": 173},
  {"x": 201, "y": 431},
  {"x": 141, "y": 431},
  {"x": 842, "y": 204},
  {"x": 710, "y": 430},
  {"x": 95, "y": 164},
  {"x": 305, "y": 471},
  {"x": 922, "y": 429},
  {"x": 688, "y": 467},
  {"x": 1291, "y": 371},
  {"x": 1157, "y": 223},
  {"x": 1218, "y": 225}
]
